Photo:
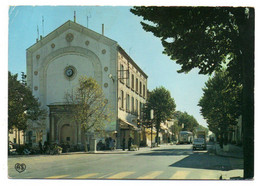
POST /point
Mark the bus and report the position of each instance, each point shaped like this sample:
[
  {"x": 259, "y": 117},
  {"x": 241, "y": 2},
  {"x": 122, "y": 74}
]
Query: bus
[{"x": 185, "y": 137}]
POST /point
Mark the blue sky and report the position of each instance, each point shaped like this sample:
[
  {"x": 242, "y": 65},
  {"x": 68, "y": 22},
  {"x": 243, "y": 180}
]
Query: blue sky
[{"x": 121, "y": 26}]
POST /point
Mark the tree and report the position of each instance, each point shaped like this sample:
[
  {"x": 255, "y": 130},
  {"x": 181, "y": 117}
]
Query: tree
[
  {"x": 87, "y": 105},
  {"x": 221, "y": 104},
  {"x": 163, "y": 105},
  {"x": 22, "y": 105},
  {"x": 188, "y": 122},
  {"x": 208, "y": 38},
  {"x": 175, "y": 129}
]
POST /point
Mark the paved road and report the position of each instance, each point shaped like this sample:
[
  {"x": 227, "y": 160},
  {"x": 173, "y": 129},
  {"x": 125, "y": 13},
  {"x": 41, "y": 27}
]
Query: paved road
[{"x": 165, "y": 162}]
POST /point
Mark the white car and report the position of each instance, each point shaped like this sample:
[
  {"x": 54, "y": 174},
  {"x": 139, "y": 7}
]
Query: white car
[{"x": 199, "y": 143}]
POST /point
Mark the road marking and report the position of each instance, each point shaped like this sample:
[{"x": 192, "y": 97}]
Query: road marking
[
  {"x": 105, "y": 175},
  {"x": 180, "y": 175},
  {"x": 120, "y": 175},
  {"x": 151, "y": 175},
  {"x": 56, "y": 177},
  {"x": 86, "y": 176}
]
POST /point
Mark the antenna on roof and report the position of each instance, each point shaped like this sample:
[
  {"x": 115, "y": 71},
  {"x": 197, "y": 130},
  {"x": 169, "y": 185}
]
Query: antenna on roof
[
  {"x": 74, "y": 16},
  {"x": 88, "y": 18},
  {"x": 37, "y": 39},
  {"x": 42, "y": 26}
]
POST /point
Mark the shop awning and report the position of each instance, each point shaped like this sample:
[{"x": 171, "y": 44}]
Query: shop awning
[{"x": 125, "y": 125}]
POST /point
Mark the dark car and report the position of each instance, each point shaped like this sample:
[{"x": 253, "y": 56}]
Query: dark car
[{"x": 199, "y": 143}]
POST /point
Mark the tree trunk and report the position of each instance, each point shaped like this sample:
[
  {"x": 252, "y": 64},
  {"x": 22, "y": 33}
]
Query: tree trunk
[
  {"x": 248, "y": 95},
  {"x": 157, "y": 134},
  {"x": 19, "y": 143},
  {"x": 83, "y": 133}
]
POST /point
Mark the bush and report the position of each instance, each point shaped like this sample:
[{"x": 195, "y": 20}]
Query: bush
[
  {"x": 134, "y": 148},
  {"x": 55, "y": 149}
]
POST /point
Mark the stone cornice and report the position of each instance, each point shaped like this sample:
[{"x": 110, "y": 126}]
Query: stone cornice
[
  {"x": 74, "y": 26},
  {"x": 122, "y": 52}
]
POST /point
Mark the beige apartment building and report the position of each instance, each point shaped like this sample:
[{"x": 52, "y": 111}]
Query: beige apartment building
[{"x": 132, "y": 94}]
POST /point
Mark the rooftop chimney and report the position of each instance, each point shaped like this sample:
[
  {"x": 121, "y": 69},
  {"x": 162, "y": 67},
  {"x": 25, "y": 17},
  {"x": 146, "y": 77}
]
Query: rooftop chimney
[{"x": 103, "y": 29}]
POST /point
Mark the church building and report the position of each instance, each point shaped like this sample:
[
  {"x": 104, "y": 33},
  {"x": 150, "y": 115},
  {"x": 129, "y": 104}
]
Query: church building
[{"x": 57, "y": 61}]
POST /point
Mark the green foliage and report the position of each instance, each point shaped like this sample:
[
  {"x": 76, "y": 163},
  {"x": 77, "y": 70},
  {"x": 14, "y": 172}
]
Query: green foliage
[
  {"x": 188, "y": 121},
  {"x": 221, "y": 102},
  {"x": 22, "y": 106},
  {"x": 88, "y": 106},
  {"x": 175, "y": 128},
  {"x": 162, "y": 103},
  {"x": 199, "y": 37}
]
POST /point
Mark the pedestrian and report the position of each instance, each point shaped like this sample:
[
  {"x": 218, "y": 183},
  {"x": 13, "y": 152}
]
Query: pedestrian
[
  {"x": 114, "y": 144},
  {"x": 111, "y": 144},
  {"x": 129, "y": 143},
  {"x": 107, "y": 143},
  {"x": 40, "y": 146},
  {"x": 123, "y": 145}
]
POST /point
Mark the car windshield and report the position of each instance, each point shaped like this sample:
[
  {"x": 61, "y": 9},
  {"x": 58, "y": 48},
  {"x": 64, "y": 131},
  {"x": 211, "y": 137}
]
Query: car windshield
[{"x": 199, "y": 140}]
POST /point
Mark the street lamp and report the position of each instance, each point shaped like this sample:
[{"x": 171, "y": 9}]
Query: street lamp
[
  {"x": 111, "y": 77},
  {"x": 151, "y": 116}
]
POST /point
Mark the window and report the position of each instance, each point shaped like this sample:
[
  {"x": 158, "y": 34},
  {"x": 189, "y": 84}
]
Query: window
[
  {"x": 127, "y": 103},
  {"x": 122, "y": 73},
  {"x": 141, "y": 109},
  {"x": 122, "y": 99},
  {"x": 127, "y": 78},
  {"x": 140, "y": 88},
  {"x": 136, "y": 106},
  {"x": 133, "y": 81},
  {"x": 144, "y": 90},
  {"x": 133, "y": 105},
  {"x": 136, "y": 85}
]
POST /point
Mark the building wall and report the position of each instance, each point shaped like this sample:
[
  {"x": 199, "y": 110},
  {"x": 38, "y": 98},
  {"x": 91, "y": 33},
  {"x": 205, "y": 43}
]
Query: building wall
[
  {"x": 127, "y": 109},
  {"x": 13, "y": 136},
  {"x": 130, "y": 98},
  {"x": 90, "y": 54}
]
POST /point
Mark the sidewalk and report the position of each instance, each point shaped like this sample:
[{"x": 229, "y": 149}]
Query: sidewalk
[
  {"x": 119, "y": 151},
  {"x": 232, "y": 151}
]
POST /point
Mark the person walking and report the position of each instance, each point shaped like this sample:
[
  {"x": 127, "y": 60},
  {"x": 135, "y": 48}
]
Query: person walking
[
  {"x": 40, "y": 146},
  {"x": 123, "y": 145},
  {"x": 111, "y": 144},
  {"x": 129, "y": 143}
]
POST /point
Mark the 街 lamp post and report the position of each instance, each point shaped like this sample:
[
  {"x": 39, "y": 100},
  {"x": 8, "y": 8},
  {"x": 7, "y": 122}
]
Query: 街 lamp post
[{"x": 151, "y": 116}]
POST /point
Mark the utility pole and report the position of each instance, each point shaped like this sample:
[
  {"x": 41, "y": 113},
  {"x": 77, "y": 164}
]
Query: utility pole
[{"x": 151, "y": 116}]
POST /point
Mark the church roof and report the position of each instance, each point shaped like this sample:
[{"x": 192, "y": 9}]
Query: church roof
[{"x": 70, "y": 25}]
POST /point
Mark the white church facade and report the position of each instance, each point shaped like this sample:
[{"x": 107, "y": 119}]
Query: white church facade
[{"x": 57, "y": 61}]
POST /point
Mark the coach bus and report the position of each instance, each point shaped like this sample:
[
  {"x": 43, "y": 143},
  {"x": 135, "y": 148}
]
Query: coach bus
[{"x": 185, "y": 137}]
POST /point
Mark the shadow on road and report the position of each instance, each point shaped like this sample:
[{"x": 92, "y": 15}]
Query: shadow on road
[
  {"x": 166, "y": 152},
  {"x": 206, "y": 161}
]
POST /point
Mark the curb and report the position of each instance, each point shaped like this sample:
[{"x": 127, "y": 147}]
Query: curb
[{"x": 227, "y": 155}]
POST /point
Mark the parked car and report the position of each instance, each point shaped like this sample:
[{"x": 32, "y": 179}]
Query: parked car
[{"x": 199, "y": 143}]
